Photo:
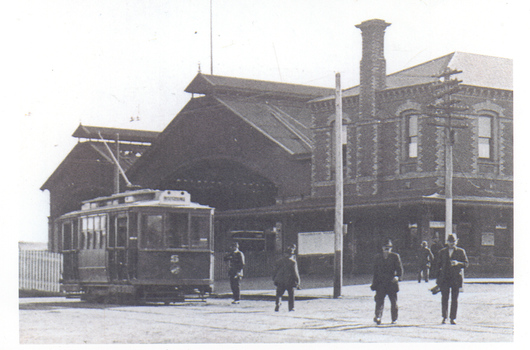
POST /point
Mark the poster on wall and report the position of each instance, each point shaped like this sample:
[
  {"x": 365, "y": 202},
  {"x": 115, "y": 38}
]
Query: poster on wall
[
  {"x": 313, "y": 243},
  {"x": 488, "y": 238}
]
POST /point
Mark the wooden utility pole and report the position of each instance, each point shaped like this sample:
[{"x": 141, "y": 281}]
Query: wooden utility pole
[
  {"x": 339, "y": 194},
  {"x": 445, "y": 109}
]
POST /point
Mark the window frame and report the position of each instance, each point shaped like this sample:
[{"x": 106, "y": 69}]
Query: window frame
[
  {"x": 490, "y": 139},
  {"x": 93, "y": 232},
  {"x": 411, "y": 135}
]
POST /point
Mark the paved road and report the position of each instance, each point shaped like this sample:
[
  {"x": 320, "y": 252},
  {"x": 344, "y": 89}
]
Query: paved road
[{"x": 486, "y": 314}]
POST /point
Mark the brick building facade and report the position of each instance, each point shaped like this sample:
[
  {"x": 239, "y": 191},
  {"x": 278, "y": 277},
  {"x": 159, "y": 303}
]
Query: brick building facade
[{"x": 260, "y": 153}]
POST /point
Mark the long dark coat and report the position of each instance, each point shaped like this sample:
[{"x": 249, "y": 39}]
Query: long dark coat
[
  {"x": 451, "y": 276},
  {"x": 384, "y": 272},
  {"x": 425, "y": 257},
  {"x": 286, "y": 272}
]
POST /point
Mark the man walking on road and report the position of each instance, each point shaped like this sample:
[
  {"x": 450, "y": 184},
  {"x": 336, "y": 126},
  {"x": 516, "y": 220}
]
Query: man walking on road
[
  {"x": 387, "y": 272},
  {"x": 451, "y": 261},
  {"x": 425, "y": 260},
  {"x": 286, "y": 277},
  {"x": 236, "y": 260}
]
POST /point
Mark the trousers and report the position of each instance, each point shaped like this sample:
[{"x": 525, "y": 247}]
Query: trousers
[
  {"x": 235, "y": 285},
  {"x": 425, "y": 271},
  {"x": 280, "y": 290},
  {"x": 380, "y": 304},
  {"x": 445, "y": 301}
]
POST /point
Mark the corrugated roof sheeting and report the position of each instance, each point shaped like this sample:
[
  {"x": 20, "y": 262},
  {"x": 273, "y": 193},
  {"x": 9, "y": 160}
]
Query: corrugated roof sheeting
[{"x": 274, "y": 122}]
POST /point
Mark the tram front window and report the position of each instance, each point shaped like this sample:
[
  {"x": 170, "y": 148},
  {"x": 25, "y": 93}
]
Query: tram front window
[
  {"x": 152, "y": 235},
  {"x": 178, "y": 231}
]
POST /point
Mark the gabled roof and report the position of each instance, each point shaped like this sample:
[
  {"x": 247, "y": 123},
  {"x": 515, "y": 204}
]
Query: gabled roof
[
  {"x": 92, "y": 132},
  {"x": 207, "y": 84},
  {"x": 97, "y": 152},
  {"x": 287, "y": 126},
  {"x": 477, "y": 70}
]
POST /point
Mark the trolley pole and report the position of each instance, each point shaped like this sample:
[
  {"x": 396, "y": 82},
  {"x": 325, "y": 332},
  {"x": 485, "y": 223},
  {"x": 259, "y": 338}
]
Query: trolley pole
[{"x": 339, "y": 194}]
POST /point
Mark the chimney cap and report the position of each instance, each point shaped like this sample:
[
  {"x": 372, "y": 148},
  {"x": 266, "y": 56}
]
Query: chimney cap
[{"x": 373, "y": 23}]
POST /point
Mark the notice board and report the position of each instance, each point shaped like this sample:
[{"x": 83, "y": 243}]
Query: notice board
[{"x": 311, "y": 243}]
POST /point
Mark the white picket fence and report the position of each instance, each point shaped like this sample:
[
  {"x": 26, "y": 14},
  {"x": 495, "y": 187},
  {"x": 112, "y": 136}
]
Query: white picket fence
[{"x": 39, "y": 270}]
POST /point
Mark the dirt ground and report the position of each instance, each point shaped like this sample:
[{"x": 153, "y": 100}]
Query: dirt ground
[{"x": 486, "y": 314}]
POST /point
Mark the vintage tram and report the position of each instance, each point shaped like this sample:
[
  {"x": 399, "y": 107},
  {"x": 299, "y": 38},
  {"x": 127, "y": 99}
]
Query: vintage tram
[{"x": 138, "y": 246}]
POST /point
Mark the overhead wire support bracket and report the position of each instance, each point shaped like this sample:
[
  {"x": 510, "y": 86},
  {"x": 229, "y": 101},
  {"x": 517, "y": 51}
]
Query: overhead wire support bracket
[{"x": 116, "y": 162}]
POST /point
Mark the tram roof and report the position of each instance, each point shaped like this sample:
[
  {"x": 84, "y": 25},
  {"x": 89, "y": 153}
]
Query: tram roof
[{"x": 139, "y": 198}]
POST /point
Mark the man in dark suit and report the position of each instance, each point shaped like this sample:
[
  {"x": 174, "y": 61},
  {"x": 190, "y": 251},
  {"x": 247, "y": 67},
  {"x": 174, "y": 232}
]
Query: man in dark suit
[
  {"x": 236, "y": 260},
  {"x": 387, "y": 272},
  {"x": 451, "y": 261},
  {"x": 425, "y": 260},
  {"x": 286, "y": 277}
]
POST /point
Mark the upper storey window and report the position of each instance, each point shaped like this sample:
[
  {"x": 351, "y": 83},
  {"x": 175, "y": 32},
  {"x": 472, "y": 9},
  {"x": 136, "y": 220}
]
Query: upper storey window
[
  {"x": 412, "y": 136},
  {"x": 485, "y": 138}
]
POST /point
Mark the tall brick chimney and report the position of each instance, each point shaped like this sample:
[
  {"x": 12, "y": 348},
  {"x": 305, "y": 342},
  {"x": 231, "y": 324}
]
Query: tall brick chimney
[{"x": 373, "y": 65}]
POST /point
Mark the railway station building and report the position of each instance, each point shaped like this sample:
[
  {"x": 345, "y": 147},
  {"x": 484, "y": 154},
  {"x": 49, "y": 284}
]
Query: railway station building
[{"x": 261, "y": 153}]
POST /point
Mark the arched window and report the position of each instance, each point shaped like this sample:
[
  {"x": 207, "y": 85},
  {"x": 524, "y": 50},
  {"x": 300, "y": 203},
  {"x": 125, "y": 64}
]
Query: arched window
[
  {"x": 412, "y": 136},
  {"x": 485, "y": 137}
]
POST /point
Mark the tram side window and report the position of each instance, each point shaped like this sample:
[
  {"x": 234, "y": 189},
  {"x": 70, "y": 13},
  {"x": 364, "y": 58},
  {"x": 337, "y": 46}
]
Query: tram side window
[
  {"x": 93, "y": 232},
  {"x": 112, "y": 231},
  {"x": 200, "y": 231},
  {"x": 152, "y": 235},
  {"x": 67, "y": 236},
  {"x": 121, "y": 234},
  {"x": 75, "y": 240},
  {"x": 90, "y": 233},
  {"x": 97, "y": 232},
  {"x": 82, "y": 234},
  {"x": 100, "y": 228},
  {"x": 178, "y": 231}
]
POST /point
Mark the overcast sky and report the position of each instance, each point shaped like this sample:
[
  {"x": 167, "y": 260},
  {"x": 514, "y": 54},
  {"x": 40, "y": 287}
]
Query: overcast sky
[{"x": 100, "y": 63}]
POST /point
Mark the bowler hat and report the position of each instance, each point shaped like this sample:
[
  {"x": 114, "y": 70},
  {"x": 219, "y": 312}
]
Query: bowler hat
[{"x": 452, "y": 238}]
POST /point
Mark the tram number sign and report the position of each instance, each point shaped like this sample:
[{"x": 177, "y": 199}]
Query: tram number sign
[{"x": 174, "y": 266}]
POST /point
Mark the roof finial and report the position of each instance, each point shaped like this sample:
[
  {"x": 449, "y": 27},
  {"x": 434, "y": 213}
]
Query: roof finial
[{"x": 199, "y": 67}]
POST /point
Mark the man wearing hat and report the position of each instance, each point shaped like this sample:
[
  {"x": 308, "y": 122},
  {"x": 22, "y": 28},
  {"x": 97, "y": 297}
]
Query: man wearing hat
[
  {"x": 451, "y": 261},
  {"x": 286, "y": 277},
  {"x": 387, "y": 272},
  {"x": 425, "y": 260}
]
